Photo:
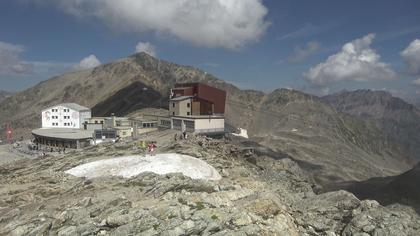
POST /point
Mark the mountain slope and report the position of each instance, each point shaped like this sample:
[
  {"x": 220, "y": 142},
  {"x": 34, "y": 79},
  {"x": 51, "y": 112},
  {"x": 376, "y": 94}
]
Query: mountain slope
[
  {"x": 341, "y": 147},
  {"x": 338, "y": 146},
  {"x": 93, "y": 86},
  {"x": 398, "y": 119},
  {"x": 4, "y": 95},
  {"x": 403, "y": 189}
]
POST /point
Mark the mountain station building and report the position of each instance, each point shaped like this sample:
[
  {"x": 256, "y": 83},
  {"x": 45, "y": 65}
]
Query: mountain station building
[
  {"x": 197, "y": 108},
  {"x": 65, "y": 115},
  {"x": 62, "y": 126}
]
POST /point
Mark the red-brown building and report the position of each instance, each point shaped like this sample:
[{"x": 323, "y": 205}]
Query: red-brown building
[
  {"x": 191, "y": 103},
  {"x": 205, "y": 100}
]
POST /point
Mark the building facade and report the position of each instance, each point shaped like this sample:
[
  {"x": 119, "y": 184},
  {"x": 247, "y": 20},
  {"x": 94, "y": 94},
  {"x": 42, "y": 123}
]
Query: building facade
[
  {"x": 62, "y": 138},
  {"x": 197, "y": 108},
  {"x": 195, "y": 99},
  {"x": 65, "y": 115}
]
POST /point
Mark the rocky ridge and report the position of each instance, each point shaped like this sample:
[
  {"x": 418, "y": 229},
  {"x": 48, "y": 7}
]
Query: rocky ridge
[
  {"x": 4, "y": 95},
  {"x": 258, "y": 195},
  {"x": 398, "y": 119}
]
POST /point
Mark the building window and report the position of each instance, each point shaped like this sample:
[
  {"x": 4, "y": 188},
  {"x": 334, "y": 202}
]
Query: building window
[
  {"x": 173, "y": 113},
  {"x": 190, "y": 125},
  {"x": 173, "y": 104},
  {"x": 188, "y": 104},
  {"x": 188, "y": 113}
]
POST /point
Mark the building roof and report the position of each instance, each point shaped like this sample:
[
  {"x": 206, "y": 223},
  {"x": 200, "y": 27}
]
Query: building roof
[
  {"x": 200, "y": 117},
  {"x": 122, "y": 127},
  {"x": 180, "y": 88},
  {"x": 180, "y": 98},
  {"x": 63, "y": 133},
  {"x": 73, "y": 106}
]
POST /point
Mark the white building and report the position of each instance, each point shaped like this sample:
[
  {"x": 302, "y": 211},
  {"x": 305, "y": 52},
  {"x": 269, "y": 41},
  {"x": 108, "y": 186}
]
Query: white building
[
  {"x": 199, "y": 124},
  {"x": 65, "y": 115}
]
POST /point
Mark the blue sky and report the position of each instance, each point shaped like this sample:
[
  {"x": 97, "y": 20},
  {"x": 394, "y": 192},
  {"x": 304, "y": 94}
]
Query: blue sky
[{"x": 254, "y": 44}]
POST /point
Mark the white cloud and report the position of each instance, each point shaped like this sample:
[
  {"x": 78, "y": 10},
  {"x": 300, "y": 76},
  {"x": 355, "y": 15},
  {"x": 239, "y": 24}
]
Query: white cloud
[
  {"x": 88, "y": 62},
  {"x": 300, "y": 54},
  {"x": 210, "y": 23},
  {"x": 417, "y": 82},
  {"x": 356, "y": 61},
  {"x": 10, "y": 62},
  {"x": 411, "y": 56},
  {"x": 147, "y": 48}
]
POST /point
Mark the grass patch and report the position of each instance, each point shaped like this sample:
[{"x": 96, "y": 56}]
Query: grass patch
[
  {"x": 200, "y": 205},
  {"x": 182, "y": 201}
]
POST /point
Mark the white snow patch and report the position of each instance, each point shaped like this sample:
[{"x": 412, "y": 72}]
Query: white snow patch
[
  {"x": 242, "y": 133},
  {"x": 160, "y": 164}
]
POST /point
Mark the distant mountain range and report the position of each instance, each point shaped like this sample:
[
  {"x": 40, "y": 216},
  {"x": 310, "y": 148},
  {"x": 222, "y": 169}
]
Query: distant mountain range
[
  {"x": 330, "y": 144},
  {"x": 398, "y": 119}
]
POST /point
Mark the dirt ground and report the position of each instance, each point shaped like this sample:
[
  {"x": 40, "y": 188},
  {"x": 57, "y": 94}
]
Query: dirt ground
[{"x": 9, "y": 155}]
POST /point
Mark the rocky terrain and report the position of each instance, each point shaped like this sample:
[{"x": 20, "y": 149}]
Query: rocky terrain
[
  {"x": 4, "y": 95},
  {"x": 334, "y": 146},
  {"x": 397, "y": 118},
  {"x": 389, "y": 190},
  {"x": 262, "y": 192}
]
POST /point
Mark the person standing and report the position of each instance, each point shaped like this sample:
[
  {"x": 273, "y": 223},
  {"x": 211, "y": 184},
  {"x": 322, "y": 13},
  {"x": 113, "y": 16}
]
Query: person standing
[
  {"x": 143, "y": 147},
  {"x": 152, "y": 148}
]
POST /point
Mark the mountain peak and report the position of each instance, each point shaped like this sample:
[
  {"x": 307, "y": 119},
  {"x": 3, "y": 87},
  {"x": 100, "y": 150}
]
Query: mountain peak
[{"x": 143, "y": 55}]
